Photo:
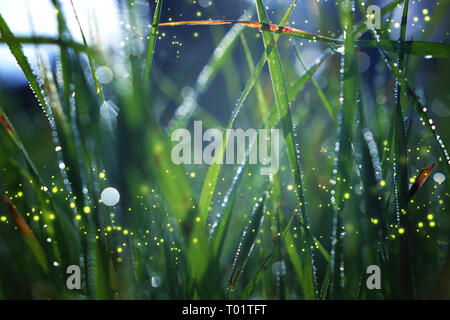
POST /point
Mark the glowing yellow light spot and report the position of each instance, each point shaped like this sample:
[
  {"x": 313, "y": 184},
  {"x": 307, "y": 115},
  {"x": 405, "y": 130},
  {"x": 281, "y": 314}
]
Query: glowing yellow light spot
[
  {"x": 51, "y": 216},
  {"x": 55, "y": 189},
  {"x": 101, "y": 175},
  {"x": 86, "y": 209},
  {"x": 427, "y": 18},
  {"x": 412, "y": 180},
  {"x": 420, "y": 224},
  {"x": 197, "y": 219},
  {"x": 125, "y": 231},
  {"x": 195, "y": 240},
  {"x": 192, "y": 174},
  {"x": 195, "y": 34},
  {"x": 119, "y": 250},
  {"x": 382, "y": 183},
  {"x": 199, "y": 14},
  {"x": 401, "y": 231},
  {"x": 72, "y": 205},
  {"x": 425, "y": 11},
  {"x": 3, "y": 218},
  {"x": 290, "y": 187},
  {"x": 20, "y": 194},
  {"x": 346, "y": 195},
  {"x": 432, "y": 224},
  {"x": 430, "y": 216},
  {"x": 78, "y": 217},
  {"x": 375, "y": 221},
  {"x": 36, "y": 218}
]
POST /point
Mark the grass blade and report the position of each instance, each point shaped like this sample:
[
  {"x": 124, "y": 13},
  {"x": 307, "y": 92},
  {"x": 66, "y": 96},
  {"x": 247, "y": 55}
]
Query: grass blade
[
  {"x": 284, "y": 114},
  {"x": 344, "y": 162},
  {"x": 151, "y": 43},
  {"x": 247, "y": 242}
]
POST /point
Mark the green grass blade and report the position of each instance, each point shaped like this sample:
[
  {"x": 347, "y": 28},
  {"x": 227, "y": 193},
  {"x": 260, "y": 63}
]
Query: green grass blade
[
  {"x": 284, "y": 114},
  {"x": 344, "y": 162},
  {"x": 400, "y": 172},
  {"x": 22, "y": 61},
  {"x": 151, "y": 43},
  {"x": 99, "y": 89},
  {"x": 220, "y": 231},
  {"x": 247, "y": 241}
]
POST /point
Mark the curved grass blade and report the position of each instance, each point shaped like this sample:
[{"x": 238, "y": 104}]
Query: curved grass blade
[
  {"x": 420, "y": 48},
  {"x": 247, "y": 242},
  {"x": 219, "y": 232},
  {"x": 344, "y": 162},
  {"x": 220, "y": 227},
  {"x": 22, "y": 61},
  {"x": 151, "y": 43},
  {"x": 99, "y": 89},
  {"x": 284, "y": 114}
]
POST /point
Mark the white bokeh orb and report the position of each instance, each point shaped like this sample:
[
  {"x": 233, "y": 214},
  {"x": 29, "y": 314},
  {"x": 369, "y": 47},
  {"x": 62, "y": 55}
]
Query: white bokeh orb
[{"x": 110, "y": 196}]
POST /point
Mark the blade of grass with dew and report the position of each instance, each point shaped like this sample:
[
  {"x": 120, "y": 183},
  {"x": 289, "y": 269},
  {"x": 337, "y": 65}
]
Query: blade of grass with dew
[
  {"x": 99, "y": 89},
  {"x": 201, "y": 277},
  {"x": 63, "y": 52},
  {"x": 292, "y": 252},
  {"x": 44, "y": 197},
  {"x": 343, "y": 166},
  {"x": 286, "y": 233},
  {"x": 284, "y": 114},
  {"x": 441, "y": 50},
  {"x": 400, "y": 171},
  {"x": 247, "y": 241},
  {"x": 34, "y": 81},
  {"x": 218, "y": 233},
  {"x": 212, "y": 176},
  {"x": 373, "y": 227},
  {"x": 22, "y": 61},
  {"x": 151, "y": 43}
]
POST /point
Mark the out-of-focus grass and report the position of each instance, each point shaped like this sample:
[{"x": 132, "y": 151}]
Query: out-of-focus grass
[{"x": 338, "y": 204}]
